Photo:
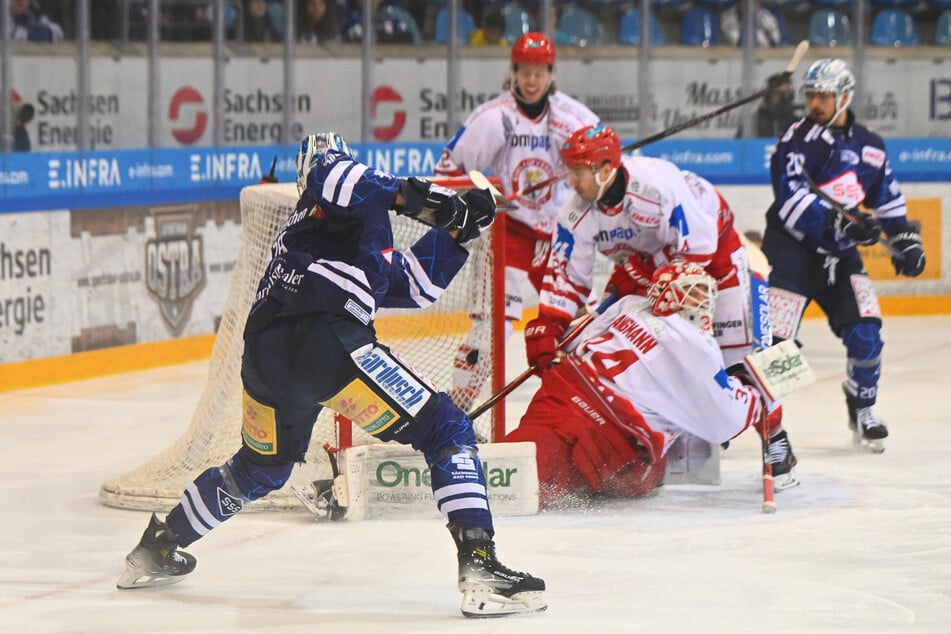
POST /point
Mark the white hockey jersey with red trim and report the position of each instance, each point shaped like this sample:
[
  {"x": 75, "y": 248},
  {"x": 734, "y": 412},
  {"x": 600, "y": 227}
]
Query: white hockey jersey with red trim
[
  {"x": 521, "y": 151},
  {"x": 665, "y": 213},
  {"x": 669, "y": 370}
]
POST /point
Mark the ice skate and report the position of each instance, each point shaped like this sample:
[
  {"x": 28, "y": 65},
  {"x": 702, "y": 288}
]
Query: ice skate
[
  {"x": 156, "y": 560},
  {"x": 489, "y": 589},
  {"x": 781, "y": 458},
  {"x": 868, "y": 430}
]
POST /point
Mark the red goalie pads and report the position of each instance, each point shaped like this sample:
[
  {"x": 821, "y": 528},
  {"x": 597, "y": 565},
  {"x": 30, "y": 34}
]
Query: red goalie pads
[{"x": 587, "y": 439}]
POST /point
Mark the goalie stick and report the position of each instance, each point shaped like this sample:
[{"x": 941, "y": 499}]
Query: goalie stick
[
  {"x": 524, "y": 376},
  {"x": 801, "y": 49}
]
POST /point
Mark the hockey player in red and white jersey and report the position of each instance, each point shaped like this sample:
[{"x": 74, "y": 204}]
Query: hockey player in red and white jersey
[
  {"x": 516, "y": 137},
  {"x": 642, "y": 373},
  {"x": 643, "y": 213}
]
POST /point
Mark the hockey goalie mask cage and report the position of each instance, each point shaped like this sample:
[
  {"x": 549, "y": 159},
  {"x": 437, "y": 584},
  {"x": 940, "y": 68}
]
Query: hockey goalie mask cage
[
  {"x": 833, "y": 76},
  {"x": 311, "y": 152},
  {"x": 687, "y": 289},
  {"x": 592, "y": 146},
  {"x": 533, "y": 48}
]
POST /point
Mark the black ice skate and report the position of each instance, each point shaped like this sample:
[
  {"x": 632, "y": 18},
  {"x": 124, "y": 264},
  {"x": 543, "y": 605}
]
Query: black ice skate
[
  {"x": 782, "y": 460},
  {"x": 156, "y": 560},
  {"x": 488, "y": 588},
  {"x": 868, "y": 430}
]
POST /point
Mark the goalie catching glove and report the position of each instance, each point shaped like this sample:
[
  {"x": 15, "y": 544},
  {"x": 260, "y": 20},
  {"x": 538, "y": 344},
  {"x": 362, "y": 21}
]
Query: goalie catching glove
[
  {"x": 442, "y": 207},
  {"x": 541, "y": 335},
  {"x": 858, "y": 226},
  {"x": 908, "y": 257}
]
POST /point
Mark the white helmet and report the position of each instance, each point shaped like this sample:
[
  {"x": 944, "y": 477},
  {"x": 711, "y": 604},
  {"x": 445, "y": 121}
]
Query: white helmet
[
  {"x": 685, "y": 288},
  {"x": 831, "y": 75},
  {"x": 311, "y": 152}
]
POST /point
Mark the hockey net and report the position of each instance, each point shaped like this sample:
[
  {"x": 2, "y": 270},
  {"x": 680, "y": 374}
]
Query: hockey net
[{"x": 427, "y": 338}]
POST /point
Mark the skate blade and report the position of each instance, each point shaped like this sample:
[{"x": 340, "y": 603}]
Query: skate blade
[
  {"x": 874, "y": 446},
  {"x": 132, "y": 579},
  {"x": 489, "y": 605},
  {"x": 785, "y": 481}
]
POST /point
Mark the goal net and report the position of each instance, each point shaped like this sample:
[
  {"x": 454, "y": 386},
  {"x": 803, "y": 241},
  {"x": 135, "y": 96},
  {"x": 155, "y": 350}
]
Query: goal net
[{"x": 427, "y": 338}]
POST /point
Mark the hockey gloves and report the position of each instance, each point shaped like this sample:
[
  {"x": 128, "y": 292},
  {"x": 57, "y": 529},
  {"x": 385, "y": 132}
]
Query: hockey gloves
[
  {"x": 908, "y": 258},
  {"x": 632, "y": 277},
  {"x": 858, "y": 226},
  {"x": 481, "y": 204},
  {"x": 441, "y": 207},
  {"x": 541, "y": 335}
]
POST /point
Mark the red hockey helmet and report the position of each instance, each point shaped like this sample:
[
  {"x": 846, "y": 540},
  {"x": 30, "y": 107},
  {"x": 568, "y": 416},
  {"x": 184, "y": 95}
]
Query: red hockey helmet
[
  {"x": 592, "y": 146},
  {"x": 533, "y": 48}
]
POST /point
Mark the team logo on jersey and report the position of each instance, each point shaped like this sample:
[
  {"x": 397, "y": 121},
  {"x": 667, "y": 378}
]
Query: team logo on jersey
[
  {"x": 528, "y": 173},
  {"x": 849, "y": 157},
  {"x": 228, "y": 505},
  {"x": 174, "y": 265},
  {"x": 873, "y": 156},
  {"x": 846, "y": 189}
]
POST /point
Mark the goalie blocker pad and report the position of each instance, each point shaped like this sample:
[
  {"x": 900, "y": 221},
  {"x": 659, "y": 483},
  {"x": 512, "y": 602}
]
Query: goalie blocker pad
[{"x": 779, "y": 370}]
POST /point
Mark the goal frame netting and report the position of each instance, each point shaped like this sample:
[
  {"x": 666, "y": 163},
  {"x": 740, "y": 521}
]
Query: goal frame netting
[{"x": 214, "y": 433}]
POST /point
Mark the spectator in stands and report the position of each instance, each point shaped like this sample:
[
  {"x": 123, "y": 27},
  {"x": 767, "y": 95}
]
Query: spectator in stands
[
  {"x": 186, "y": 22},
  {"x": 22, "y": 114},
  {"x": 492, "y": 30},
  {"x": 258, "y": 25},
  {"x": 319, "y": 24},
  {"x": 769, "y": 28},
  {"x": 776, "y": 110},
  {"x": 28, "y": 22},
  {"x": 390, "y": 23}
]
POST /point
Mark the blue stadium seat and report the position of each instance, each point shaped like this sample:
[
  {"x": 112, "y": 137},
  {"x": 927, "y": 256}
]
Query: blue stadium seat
[
  {"x": 700, "y": 27},
  {"x": 833, "y": 4},
  {"x": 942, "y": 31},
  {"x": 518, "y": 22},
  {"x": 465, "y": 25},
  {"x": 276, "y": 12},
  {"x": 581, "y": 27},
  {"x": 828, "y": 27},
  {"x": 630, "y": 31},
  {"x": 894, "y": 27}
]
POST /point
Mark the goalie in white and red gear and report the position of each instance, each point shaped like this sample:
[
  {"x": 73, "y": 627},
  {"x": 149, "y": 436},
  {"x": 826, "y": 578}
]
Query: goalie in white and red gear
[
  {"x": 516, "y": 137},
  {"x": 641, "y": 374}
]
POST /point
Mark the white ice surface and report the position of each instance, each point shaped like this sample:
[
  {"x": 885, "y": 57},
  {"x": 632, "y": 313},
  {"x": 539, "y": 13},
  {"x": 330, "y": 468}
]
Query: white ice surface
[{"x": 864, "y": 545}]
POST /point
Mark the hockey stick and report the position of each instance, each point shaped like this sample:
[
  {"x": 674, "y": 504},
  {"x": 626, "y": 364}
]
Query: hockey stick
[
  {"x": 270, "y": 177},
  {"x": 839, "y": 209},
  {"x": 524, "y": 376},
  {"x": 801, "y": 49},
  {"x": 481, "y": 181}
]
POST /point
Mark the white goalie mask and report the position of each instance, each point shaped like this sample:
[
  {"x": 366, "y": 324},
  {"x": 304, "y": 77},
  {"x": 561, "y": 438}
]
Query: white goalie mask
[
  {"x": 684, "y": 288},
  {"x": 831, "y": 75},
  {"x": 311, "y": 152}
]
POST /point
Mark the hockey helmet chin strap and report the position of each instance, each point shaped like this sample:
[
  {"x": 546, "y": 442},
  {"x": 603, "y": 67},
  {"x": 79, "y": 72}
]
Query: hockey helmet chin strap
[{"x": 603, "y": 184}]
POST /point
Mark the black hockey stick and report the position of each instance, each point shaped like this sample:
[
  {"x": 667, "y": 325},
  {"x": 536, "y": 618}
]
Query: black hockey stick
[
  {"x": 801, "y": 49},
  {"x": 270, "y": 177},
  {"x": 524, "y": 376}
]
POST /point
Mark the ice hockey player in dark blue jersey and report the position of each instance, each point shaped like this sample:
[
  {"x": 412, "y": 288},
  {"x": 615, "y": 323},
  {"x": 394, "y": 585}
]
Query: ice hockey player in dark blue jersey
[
  {"x": 825, "y": 166},
  {"x": 310, "y": 344}
]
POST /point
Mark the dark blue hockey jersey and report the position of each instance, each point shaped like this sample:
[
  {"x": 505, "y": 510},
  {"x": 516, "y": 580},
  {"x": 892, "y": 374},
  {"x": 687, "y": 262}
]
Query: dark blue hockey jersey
[
  {"x": 335, "y": 253},
  {"x": 849, "y": 164}
]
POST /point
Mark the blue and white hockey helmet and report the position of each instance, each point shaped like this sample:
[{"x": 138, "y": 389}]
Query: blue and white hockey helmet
[
  {"x": 830, "y": 75},
  {"x": 311, "y": 152}
]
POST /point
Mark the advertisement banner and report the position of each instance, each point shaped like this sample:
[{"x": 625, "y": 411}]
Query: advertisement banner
[
  {"x": 72, "y": 281},
  {"x": 408, "y": 102}
]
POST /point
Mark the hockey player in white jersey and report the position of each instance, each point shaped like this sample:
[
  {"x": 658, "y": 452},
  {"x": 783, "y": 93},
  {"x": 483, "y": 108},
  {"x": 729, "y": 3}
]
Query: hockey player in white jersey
[
  {"x": 640, "y": 375},
  {"x": 516, "y": 137},
  {"x": 642, "y": 213},
  {"x": 310, "y": 343}
]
